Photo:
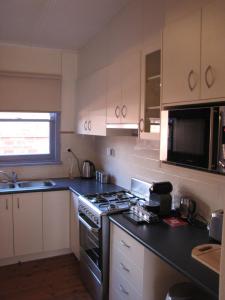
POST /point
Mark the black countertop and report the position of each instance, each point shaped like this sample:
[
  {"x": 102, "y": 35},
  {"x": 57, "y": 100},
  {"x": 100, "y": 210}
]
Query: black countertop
[
  {"x": 174, "y": 246},
  {"x": 78, "y": 185}
]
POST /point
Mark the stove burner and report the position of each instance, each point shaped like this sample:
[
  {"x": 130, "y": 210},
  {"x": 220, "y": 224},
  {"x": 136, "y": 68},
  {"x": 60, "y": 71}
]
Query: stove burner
[
  {"x": 112, "y": 201},
  {"x": 112, "y": 206}
]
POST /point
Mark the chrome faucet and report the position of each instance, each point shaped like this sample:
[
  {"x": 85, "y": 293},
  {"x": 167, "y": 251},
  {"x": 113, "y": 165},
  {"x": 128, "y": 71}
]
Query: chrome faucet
[{"x": 10, "y": 177}]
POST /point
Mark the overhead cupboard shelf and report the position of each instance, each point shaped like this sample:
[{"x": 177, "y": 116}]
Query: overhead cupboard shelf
[
  {"x": 152, "y": 77},
  {"x": 153, "y": 107}
]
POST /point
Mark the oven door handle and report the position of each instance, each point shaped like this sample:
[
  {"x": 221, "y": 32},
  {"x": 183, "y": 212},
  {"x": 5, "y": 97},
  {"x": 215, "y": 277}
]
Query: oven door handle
[{"x": 88, "y": 226}]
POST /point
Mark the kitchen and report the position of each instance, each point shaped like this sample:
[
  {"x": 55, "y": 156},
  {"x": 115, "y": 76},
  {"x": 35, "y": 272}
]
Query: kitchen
[{"x": 136, "y": 28}]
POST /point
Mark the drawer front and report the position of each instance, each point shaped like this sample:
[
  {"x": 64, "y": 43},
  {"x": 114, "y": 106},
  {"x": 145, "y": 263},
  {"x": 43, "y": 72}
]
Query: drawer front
[
  {"x": 126, "y": 267},
  {"x": 127, "y": 245},
  {"x": 121, "y": 289}
]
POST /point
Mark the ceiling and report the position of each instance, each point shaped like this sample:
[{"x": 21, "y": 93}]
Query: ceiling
[{"x": 61, "y": 24}]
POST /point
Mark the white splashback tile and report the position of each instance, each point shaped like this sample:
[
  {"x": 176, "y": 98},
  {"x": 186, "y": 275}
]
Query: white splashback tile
[{"x": 140, "y": 159}]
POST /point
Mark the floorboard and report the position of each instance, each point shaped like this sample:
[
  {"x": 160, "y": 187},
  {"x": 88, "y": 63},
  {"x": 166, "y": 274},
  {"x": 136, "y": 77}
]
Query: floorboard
[{"x": 52, "y": 278}]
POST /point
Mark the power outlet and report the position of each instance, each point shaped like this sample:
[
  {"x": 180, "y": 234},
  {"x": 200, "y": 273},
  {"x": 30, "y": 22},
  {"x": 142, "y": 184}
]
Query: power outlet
[{"x": 110, "y": 151}]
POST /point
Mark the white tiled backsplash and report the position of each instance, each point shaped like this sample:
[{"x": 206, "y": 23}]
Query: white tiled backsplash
[{"x": 140, "y": 158}]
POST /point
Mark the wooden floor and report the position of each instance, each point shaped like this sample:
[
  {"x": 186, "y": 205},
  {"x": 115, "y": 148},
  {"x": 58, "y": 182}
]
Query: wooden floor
[{"x": 52, "y": 278}]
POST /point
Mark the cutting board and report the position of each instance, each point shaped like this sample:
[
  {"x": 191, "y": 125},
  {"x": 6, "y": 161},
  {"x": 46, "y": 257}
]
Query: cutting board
[{"x": 208, "y": 255}]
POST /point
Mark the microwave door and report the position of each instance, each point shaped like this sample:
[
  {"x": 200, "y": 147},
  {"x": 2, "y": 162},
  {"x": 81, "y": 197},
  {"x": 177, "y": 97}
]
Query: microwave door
[
  {"x": 221, "y": 141},
  {"x": 189, "y": 137}
]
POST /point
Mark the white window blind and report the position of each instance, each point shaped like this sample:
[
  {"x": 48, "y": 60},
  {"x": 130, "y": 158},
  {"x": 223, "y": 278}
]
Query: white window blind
[{"x": 30, "y": 92}]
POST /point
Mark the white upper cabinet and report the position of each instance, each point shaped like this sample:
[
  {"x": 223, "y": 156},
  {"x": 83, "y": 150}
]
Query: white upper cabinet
[
  {"x": 91, "y": 116},
  {"x": 213, "y": 50},
  {"x": 181, "y": 60},
  {"x": 27, "y": 213},
  {"x": 114, "y": 93},
  {"x": 123, "y": 90},
  {"x": 6, "y": 226},
  {"x": 82, "y": 106},
  {"x": 131, "y": 91},
  {"x": 97, "y": 106}
]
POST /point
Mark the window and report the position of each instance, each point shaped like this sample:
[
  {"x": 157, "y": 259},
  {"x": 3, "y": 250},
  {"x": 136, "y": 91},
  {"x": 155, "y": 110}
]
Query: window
[{"x": 29, "y": 138}]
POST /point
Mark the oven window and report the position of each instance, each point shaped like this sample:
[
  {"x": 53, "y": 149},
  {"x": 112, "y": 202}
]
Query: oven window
[
  {"x": 188, "y": 140},
  {"x": 188, "y": 136},
  {"x": 90, "y": 243}
]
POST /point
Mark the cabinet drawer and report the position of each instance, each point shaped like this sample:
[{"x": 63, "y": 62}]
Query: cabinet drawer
[
  {"x": 121, "y": 289},
  {"x": 127, "y": 245},
  {"x": 126, "y": 267}
]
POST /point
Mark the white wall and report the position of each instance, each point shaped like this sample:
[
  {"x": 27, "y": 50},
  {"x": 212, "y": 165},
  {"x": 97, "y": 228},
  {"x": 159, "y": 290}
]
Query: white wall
[{"x": 49, "y": 61}]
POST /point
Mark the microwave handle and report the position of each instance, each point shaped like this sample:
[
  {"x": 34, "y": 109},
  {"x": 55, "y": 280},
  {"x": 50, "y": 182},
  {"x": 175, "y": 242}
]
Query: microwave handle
[{"x": 215, "y": 130}]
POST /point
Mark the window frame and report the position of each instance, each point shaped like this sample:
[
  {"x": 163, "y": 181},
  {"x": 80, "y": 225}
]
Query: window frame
[{"x": 37, "y": 159}]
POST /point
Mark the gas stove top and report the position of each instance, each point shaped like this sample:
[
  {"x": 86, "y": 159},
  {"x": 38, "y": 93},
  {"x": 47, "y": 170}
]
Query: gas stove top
[{"x": 106, "y": 203}]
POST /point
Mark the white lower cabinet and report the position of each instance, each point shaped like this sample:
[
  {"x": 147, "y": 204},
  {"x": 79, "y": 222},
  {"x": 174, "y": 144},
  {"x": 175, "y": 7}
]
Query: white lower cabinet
[
  {"x": 6, "y": 226},
  {"x": 135, "y": 272},
  {"x": 27, "y": 214},
  {"x": 74, "y": 226},
  {"x": 56, "y": 216},
  {"x": 34, "y": 224}
]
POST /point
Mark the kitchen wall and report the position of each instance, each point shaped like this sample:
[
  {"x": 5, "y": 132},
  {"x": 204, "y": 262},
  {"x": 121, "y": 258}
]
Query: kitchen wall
[
  {"x": 138, "y": 27},
  {"x": 63, "y": 63}
]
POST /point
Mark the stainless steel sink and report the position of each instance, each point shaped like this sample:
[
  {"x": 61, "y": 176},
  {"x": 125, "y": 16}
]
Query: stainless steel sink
[
  {"x": 6, "y": 186},
  {"x": 35, "y": 184}
]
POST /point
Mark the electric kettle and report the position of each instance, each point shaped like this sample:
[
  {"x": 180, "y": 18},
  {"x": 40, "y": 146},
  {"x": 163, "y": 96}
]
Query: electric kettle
[{"x": 88, "y": 169}]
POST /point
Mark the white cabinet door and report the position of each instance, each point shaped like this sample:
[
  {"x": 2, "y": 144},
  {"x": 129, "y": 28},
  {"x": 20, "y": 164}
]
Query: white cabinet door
[
  {"x": 56, "y": 216},
  {"x": 27, "y": 213},
  {"x": 213, "y": 50},
  {"x": 131, "y": 90},
  {"x": 181, "y": 60},
  {"x": 74, "y": 226},
  {"x": 97, "y": 107},
  {"x": 114, "y": 93},
  {"x": 6, "y": 226},
  {"x": 82, "y": 106}
]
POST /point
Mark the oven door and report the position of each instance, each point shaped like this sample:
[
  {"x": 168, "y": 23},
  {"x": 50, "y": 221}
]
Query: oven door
[
  {"x": 90, "y": 256},
  {"x": 189, "y": 133},
  {"x": 90, "y": 236}
]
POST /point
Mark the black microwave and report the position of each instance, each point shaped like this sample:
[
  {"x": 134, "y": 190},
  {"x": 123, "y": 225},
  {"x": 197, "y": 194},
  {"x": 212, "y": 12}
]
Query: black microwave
[{"x": 194, "y": 137}]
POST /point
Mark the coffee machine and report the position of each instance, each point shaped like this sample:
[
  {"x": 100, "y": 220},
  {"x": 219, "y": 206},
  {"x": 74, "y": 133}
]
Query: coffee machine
[{"x": 160, "y": 199}]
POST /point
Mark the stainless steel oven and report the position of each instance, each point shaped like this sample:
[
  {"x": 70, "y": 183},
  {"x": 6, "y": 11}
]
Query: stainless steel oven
[
  {"x": 90, "y": 255},
  {"x": 94, "y": 210}
]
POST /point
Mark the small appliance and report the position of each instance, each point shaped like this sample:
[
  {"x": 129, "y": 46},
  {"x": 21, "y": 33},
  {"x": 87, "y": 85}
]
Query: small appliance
[
  {"x": 194, "y": 136},
  {"x": 88, "y": 169},
  {"x": 160, "y": 199},
  {"x": 187, "y": 208},
  {"x": 216, "y": 225}
]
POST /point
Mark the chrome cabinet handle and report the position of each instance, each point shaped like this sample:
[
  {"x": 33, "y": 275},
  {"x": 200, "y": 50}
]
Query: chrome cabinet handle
[
  {"x": 191, "y": 86},
  {"x": 124, "y": 267},
  {"x": 124, "y": 111},
  {"x": 122, "y": 289},
  {"x": 117, "y": 111},
  {"x": 89, "y": 125},
  {"x": 18, "y": 203},
  {"x": 208, "y": 70},
  {"x": 124, "y": 244},
  {"x": 85, "y": 125},
  {"x": 141, "y": 125},
  {"x": 6, "y": 204}
]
